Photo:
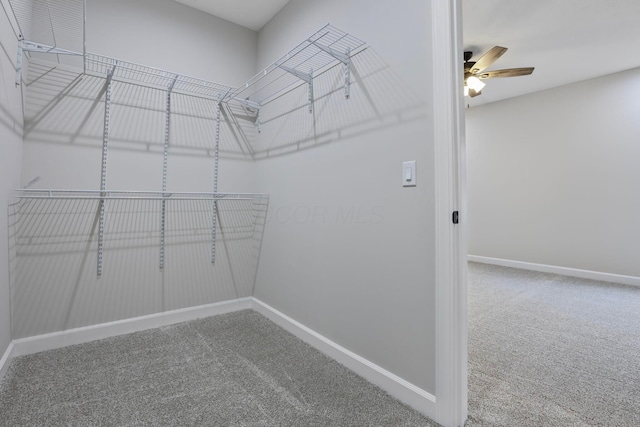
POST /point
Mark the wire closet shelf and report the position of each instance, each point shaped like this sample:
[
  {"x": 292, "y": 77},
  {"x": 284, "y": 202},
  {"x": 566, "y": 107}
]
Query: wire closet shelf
[
  {"x": 28, "y": 193},
  {"x": 56, "y": 216},
  {"x": 56, "y": 29},
  {"x": 324, "y": 49}
]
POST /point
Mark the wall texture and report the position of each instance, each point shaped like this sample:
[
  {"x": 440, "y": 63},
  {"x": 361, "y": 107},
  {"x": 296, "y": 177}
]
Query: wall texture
[
  {"x": 10, "y": 162},
  {"x": 348, "y": 251},
  {"x": 553, "y": 176}
]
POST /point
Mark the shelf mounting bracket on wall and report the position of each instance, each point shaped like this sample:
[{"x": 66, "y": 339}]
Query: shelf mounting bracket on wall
[
  {"x": 345, "y": 58},
  {"x": 252, "y": 105},
  {"x": 29, "y": 46},
  {"x": 306, "y": 77},
  {"x": 103, "y": 173},
  {"x": 165, "y": 160}
]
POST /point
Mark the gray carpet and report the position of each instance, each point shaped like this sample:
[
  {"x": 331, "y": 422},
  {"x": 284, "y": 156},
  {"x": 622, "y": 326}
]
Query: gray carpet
[
  {"x": 549, "y": 350},
  {"x": 236, "y": 369}
]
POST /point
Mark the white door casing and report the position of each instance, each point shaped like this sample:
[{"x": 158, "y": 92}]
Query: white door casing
[{"x": 451, "y": 239}]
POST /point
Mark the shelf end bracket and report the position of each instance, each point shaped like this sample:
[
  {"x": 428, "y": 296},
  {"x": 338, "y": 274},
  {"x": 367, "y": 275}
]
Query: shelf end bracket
[
  {"x": 306, "y": 77},
  {"x": 344, "y": 57},
  {"x": 253, "y": 105}
]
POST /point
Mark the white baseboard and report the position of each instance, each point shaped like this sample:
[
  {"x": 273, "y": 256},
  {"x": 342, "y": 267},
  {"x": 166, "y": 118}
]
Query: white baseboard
[
  {"x": 564, "y": 271},
  {"x": 60, "y": 339},
  {"x": 6, "y": 360},
  {"x": 397, "y": 387}
]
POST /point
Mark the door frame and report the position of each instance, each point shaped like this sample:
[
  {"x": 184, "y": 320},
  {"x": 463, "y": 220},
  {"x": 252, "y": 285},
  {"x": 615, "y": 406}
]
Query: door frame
[{"x": 451, "y": 195}]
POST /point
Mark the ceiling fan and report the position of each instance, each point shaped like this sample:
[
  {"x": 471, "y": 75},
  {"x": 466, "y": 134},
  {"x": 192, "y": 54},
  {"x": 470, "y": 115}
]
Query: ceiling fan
[{"x": 474, "y": 71}]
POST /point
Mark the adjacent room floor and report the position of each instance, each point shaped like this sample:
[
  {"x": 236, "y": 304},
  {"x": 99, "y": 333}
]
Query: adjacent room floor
[
  {"x": 549, "y": 350},
  {"x": 236, "y": 369}
]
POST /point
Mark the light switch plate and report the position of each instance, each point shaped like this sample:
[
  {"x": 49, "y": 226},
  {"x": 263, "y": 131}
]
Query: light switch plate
[{"x": 409, "y": 177}]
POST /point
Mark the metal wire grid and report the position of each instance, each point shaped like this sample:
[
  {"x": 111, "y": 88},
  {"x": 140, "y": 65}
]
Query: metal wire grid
[
  {"x": 59, "y": 23},
  {"x": 29, "y": 193},
  {"x": 311, "y": 57},
  {"x": 306, "y": 58},
  {"x": 51, "y": 221},
  {"x": 65, "y": 223},
  {"x": 154, "y": 77}
]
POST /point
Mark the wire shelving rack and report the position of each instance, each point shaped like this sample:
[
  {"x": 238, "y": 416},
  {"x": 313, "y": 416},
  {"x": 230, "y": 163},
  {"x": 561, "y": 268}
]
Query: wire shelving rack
[{"x": 56, "y": 29}]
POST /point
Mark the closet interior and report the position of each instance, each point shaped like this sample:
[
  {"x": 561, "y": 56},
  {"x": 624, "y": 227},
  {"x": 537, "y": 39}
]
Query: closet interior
[{"x": 88, "y": 243}]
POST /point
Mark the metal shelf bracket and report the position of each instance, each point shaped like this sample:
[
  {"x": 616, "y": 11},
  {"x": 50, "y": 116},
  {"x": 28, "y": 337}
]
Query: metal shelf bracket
[
  {"x": 253, "y": 106},
  {"x": 344, "y": 57},
  {"x": 29, "y": 46},
  {"x": 306, "y": 77}
]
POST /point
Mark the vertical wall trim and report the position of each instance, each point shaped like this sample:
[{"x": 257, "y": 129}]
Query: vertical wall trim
[{"x": 451, "y": 323}]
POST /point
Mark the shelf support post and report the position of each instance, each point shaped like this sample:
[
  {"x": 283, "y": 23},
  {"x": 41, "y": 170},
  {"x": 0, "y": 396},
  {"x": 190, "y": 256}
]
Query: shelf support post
[
  {"x": 347, "y": 75},
  {"x": 310, "y": 95},
  {"x": 165, "y": 160},
  {"x": 215, "y": 183},
  {"x": 103, "y": 173},
  {"x": 259, "y": 120},
  {"x": 19, "y": 62}
]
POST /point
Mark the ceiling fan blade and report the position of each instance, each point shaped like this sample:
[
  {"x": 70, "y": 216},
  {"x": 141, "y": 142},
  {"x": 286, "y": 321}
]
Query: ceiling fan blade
[
  {"x": 509, "y": 72},
  {"x": 488, "y": 58}
]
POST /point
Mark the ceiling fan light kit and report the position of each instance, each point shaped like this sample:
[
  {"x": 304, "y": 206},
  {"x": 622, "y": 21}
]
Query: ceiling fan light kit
[
  {"x": 474, "y": 71},
  {"x": 474, "y": 83}
]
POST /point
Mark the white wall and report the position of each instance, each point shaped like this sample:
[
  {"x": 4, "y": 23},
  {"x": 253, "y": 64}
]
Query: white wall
[
  {"x": 10, "y": 161},
  {"x": 553, "y": 176},
  {"x": 58, "y": 285},
  {"x": 348, "y": 251}
]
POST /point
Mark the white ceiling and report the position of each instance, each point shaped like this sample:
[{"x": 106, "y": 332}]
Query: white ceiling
[
  {"x": 253, "y": 14},
  {"x": 565, "y": 40}
]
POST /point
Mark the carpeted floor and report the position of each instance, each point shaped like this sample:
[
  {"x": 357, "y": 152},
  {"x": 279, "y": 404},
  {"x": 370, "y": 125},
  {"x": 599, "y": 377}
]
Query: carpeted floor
[
  {"x": 549, "y": 350},
  {"x": 236, "y": 369},
  {"x": 544, "y": 350}
]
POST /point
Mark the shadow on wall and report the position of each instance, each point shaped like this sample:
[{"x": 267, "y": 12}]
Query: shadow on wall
[
  {"x": 378, "y": 99},
  {"x": 54, "y": 255}
]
